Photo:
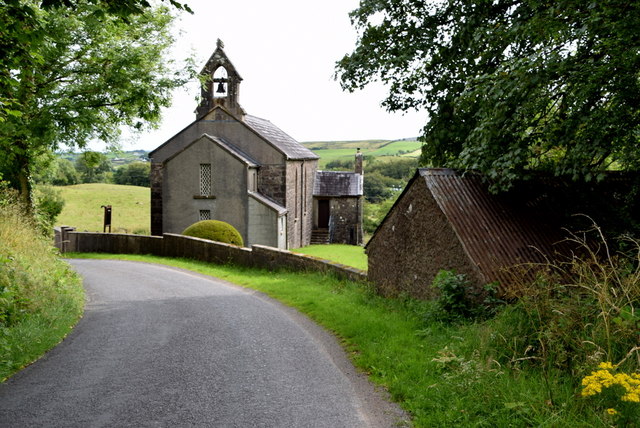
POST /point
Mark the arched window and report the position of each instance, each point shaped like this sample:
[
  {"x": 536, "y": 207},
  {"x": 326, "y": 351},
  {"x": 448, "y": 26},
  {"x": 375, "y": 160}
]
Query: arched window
[{"x": 220, "y": 82}]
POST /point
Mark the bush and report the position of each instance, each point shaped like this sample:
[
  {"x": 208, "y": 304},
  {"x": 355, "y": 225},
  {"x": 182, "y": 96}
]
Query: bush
[
  {"x": 215, "y": 230},
  {"x": 49, "y": 204}
]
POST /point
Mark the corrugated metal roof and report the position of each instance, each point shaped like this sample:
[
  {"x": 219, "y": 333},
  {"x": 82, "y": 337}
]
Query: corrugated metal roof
[
  {"x": 337, "y": 183},
  {"x": 282, "y": 141},
  {"x": 495, "y": 231}
]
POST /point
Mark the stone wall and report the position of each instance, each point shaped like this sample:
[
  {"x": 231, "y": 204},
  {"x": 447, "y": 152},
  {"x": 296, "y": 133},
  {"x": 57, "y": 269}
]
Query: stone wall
[
  {"x": 156, "y": 198},
  {"x": 413, "y": 243},
  {"x": 172, "y": 245},
  {"x": 271, "y": 182},
  {"x": 346, "y": 221}
]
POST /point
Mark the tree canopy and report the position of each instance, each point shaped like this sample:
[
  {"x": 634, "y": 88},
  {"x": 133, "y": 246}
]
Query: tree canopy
[
  {"x": 509, "y": 86},
  {"x": 76, "y": 71}
]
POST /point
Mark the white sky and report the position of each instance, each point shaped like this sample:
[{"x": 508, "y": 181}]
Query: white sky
[{"x": 285, "y": 50}]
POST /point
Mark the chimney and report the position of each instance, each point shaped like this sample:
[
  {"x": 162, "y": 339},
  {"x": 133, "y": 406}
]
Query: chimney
[{"x": 358, "y": 161}]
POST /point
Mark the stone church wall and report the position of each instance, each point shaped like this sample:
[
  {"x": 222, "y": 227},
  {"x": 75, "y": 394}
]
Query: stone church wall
[
  {"x": 272, "y": 182},
  {"x": 299, "y": 195},
  {"x": 156, "y": 198}
]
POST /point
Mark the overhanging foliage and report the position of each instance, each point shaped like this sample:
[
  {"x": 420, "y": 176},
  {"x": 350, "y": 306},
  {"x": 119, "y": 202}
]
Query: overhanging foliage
[{"x": 510, "y": 86}]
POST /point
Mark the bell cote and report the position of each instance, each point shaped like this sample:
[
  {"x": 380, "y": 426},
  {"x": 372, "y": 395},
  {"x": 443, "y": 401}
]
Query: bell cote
[{"x": 221, "y": 85}]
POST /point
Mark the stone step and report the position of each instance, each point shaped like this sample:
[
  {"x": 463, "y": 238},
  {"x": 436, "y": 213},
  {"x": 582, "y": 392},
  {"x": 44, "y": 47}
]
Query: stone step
[{"x": 319, "y": 236}]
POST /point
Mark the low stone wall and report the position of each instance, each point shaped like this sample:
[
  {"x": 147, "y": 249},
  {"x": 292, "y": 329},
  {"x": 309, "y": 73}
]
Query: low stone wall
[{"x": 172, "y": 245}]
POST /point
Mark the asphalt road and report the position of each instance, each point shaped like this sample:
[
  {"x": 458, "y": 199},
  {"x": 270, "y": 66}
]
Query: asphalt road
[{"x": 159, "y": 346}]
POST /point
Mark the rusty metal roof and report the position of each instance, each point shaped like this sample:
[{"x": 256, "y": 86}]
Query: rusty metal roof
[
  {"x": 527, "y": 224},
  {"x": 338, "y": 183},
  {"x": 494, "y": 230}
]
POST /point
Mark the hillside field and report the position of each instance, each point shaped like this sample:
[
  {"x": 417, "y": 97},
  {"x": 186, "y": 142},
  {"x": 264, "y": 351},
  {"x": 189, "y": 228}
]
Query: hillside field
[
  {"x": 380, "y": 149},
  {"x": 130, "y": 207}
]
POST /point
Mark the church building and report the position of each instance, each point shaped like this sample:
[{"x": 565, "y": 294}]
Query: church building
[{"x": 228, "y": 165}]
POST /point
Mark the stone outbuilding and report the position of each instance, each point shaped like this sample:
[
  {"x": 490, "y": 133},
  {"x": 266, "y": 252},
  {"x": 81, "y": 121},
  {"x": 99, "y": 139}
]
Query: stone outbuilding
[
  {"x": 228, "y": 165},
  {"x": 338, "y": 198},
  {"x": 447, "y": 220}
]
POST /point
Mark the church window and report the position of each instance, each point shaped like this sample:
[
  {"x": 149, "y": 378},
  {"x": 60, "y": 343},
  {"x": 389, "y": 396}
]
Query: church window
[
  {"x": 205, "y": 179},
  {"x": 205, "y": 215}
]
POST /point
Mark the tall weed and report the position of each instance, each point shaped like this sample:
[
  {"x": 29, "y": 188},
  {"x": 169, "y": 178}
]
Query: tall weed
[
  {"x": 578, "y": 312},
  {"x": 40, "y": 297}
]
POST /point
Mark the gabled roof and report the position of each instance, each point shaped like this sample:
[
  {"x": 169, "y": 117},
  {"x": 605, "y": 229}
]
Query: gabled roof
[
  {"x": 266, "y": 130},
  {"x": 219, "y": 57},
  {"x": 495, "y": 231},
  {"x": 268, "y": 202},
  {"x": 292, "y": 149},
  {"x": 526, "y": 224},
  {"x": 337, "y": 183},
  {"x": 224, "y": 144}
]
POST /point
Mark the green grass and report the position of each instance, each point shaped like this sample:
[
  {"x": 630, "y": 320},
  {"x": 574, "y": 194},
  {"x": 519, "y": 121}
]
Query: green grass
[
  {"x": 41, "y": 298},
  {"x": 393, "y": 148},
  {"x": 330, "y": 155},
  {"x": 130, "y": 205},
  {"x": 345, "y": 150},
  {"x": 443, "y": 375},
  {"x": 350, "y": 255}
]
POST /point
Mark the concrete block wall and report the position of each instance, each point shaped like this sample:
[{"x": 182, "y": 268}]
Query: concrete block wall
[{"x": 180, "y": 246}]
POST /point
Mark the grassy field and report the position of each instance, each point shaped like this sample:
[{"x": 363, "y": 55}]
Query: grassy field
[
  {"x": 444, "y": 375},
  {"x": 345, "y": 150},
  {"x": 350, "y": 255},
  {"x": 130, "y": 205}
]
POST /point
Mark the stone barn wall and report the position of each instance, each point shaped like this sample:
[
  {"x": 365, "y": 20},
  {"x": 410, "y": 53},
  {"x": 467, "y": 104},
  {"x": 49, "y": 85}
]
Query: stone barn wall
[{"x": 413, "y": 243}]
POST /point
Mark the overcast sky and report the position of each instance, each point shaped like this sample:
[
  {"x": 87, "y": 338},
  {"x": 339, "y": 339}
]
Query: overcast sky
[{"x": 285, "y": 51}]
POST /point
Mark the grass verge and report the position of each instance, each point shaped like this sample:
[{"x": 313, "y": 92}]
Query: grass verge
[
  {"x": 41, "y": 298},
  {"x": 350, "y": 255},
  {"x": 443, "y": 375}
]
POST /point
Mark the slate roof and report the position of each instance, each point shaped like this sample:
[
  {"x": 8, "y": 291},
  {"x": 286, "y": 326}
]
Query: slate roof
[
  {"x": 268, "y": 202},
  {"x": 337, "y": 183},
  {"x": 292, "y": 149}
]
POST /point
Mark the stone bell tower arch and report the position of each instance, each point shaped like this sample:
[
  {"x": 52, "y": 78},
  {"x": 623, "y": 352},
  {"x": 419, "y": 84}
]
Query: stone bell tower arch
[{"x": 221, "y": 85}]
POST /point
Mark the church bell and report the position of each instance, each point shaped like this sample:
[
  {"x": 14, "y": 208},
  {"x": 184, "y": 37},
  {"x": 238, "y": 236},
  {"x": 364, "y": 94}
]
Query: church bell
[{"x": 220, "y": 89}]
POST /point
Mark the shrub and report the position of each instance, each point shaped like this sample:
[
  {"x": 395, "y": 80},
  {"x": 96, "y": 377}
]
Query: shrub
[
  {"x": 215, "y": 230},
  {"x": 49, "y": 204}
]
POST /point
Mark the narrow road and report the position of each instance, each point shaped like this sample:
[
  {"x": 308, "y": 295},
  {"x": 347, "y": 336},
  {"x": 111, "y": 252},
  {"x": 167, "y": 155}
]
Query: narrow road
[{"x": 160, "y": 346}]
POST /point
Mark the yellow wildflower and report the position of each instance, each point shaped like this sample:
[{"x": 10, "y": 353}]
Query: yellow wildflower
[
  {"x": 606, "y": 365},
  {"x": 612, "y": 411}
]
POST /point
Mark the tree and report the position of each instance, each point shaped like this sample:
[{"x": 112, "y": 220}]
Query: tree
[
  {"x": 92, "y": 167},
  {"x": 76, "y": 74},
  {"x": 134, "y": 174},
  {"x": 510, "y": 86},
  {"x": 56, "y": 171}
]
